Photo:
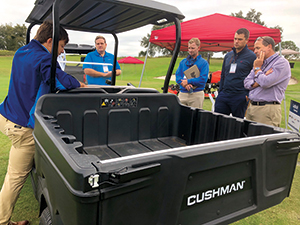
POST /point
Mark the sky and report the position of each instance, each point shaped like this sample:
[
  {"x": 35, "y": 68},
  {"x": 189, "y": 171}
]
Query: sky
[{"x": 285, "y": 13}]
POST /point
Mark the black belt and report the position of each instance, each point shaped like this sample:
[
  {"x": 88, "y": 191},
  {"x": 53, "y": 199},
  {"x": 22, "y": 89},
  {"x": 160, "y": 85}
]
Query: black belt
[{"x": 265, "y": 103}]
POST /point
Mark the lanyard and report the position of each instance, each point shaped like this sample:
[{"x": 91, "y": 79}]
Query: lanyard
[{"x": 264, "y": 67}]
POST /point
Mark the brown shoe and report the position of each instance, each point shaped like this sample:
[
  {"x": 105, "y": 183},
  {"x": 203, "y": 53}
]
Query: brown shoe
[{"x": 24, "y": 222}]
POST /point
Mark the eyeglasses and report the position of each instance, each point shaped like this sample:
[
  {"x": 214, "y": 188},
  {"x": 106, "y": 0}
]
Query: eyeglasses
[{"x": 262, "y": 38}]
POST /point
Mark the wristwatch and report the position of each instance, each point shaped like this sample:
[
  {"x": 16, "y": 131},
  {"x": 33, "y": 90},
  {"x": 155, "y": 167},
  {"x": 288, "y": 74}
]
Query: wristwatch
[{"x": 256, "y": 68}]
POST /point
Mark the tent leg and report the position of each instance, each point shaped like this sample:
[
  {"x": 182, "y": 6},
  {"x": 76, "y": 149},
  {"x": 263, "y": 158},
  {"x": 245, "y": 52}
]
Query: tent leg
[
  {"x": 212, "y": 102},
  {"x": 144, "y": 64},
  {"x": 284, "y": 100},
  {"x": 285, "y": 117}
]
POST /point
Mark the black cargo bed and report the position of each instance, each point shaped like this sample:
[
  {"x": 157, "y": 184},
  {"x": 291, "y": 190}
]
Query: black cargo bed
[{"x": 108, "y": 128}]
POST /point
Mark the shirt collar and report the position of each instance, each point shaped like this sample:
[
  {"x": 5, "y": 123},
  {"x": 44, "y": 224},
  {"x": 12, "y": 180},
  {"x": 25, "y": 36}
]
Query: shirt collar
[
  {"x": 45, "y": 48},
  {"x": 38, "y": 43},
  {"x": 244, "y": 49},
  {"x": 98, "y": 54},
  {"x": 190, "y": 61},
  {"x": 271, "y": 58}
]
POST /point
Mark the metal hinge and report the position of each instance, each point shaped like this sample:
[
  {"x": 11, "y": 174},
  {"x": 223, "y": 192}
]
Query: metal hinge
[{"x": 93, "y": 180}]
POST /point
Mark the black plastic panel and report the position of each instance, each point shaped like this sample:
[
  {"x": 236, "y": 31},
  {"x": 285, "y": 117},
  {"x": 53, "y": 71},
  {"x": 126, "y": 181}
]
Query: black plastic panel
[{"x": 106, "y": 15}]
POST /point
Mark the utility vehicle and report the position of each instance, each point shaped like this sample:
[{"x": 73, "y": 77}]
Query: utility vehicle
[{"x": 112, "y": 155}]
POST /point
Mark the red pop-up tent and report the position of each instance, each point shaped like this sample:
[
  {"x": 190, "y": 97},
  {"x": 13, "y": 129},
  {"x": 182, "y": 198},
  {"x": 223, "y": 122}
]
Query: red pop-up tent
[
  {"x": 130, "y": 60},
  {"x": 216, "y": 33}
]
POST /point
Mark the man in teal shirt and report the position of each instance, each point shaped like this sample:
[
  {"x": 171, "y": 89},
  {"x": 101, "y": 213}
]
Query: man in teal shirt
[{"x": 95, "y": 73}]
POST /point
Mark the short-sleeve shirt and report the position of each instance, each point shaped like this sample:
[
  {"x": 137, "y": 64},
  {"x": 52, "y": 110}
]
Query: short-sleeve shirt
[{"x": 95, "y": 57}]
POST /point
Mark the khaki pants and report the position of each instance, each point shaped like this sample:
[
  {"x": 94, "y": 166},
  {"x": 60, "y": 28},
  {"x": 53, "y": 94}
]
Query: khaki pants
[
  {"x": 267, "y": 114},
  {"x": 19, "y": 165},
  {"x": 194, "y": 99}
]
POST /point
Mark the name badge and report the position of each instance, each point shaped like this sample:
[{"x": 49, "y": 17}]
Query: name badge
[
  {"x": 233, "y": 68},
  {"x": 105, "y": 69}
]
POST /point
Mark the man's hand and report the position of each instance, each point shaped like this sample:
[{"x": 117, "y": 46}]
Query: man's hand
[
  {"x": 108, "y": 74},
  {"x": 269, "y": 71},
  {"x": 188, "y": 87},
  {"x": 184, "y": 83},
  {"x": 255, "y": 85},
  {"x": 94, "y": 73},
  {"x": 259, "y": 60},
  {"x": 82, "y": 84}
]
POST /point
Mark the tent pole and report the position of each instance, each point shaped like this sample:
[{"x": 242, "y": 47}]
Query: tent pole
[
  {"x": 284, "y": 100},
  {"x": 144, "y": 63},
  {"x": 285, "y": 118}
]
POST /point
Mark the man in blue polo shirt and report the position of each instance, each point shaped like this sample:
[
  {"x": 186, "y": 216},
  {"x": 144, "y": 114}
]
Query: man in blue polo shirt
[{"x": 95, "y": 73}]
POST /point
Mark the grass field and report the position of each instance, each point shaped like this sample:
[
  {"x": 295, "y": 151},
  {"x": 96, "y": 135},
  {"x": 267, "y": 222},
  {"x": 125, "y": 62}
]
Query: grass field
[{"x": 288, "y": 212}]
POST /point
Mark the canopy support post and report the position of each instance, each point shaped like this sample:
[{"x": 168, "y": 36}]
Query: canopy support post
[
  {"x": 145, "y": 63},
  {"x": 55, "y": 39},
  {"x": 284, "y": 100},
  {"x": 174, "y": 57},
  {"x": 113, "y": 77},
  {"x": 28, "y": 32}
]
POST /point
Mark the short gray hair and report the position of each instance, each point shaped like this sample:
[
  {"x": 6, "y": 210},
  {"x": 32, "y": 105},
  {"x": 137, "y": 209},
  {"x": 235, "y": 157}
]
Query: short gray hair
[{"x": 266, "y": 40}]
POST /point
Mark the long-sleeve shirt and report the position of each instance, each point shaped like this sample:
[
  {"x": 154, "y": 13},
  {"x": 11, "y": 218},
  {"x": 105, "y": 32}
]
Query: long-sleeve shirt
[
  {"x": 233, "y": 83},
  {"x": 198, "y": 82},
  {"x": 271, "y": 87},
  {"x": 31, "y": 67}
]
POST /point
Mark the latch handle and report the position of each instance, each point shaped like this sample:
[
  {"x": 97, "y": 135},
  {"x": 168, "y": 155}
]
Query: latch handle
[
  {"x": 288, "y": 144},
  {"x": 130, "y": 173}
]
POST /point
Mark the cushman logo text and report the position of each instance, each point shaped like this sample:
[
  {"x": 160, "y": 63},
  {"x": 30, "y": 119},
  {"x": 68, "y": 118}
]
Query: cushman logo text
[{"x": 214, "y": 193}]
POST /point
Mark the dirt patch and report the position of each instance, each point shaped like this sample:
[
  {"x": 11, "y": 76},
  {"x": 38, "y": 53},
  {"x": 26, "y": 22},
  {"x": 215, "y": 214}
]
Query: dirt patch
[
  {"x": 163, "y": 77},
  {"x": 293, "y": 81}
]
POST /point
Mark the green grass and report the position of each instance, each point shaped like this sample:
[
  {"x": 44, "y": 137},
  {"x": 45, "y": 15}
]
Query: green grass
[
  {"x": 6, "y": 53},
  {"x": 288, "y": 212}
]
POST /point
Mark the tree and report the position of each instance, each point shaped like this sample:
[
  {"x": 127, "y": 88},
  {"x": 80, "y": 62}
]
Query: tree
[
  {"x": 142, "y": 53},
  {"x": 153, "y": 49},
  {"x": 252, "y": 16},
  {"x": 12, "y": 37},
  {"x": 289, "y": 45},
  {"x": 164, "y": 51}
]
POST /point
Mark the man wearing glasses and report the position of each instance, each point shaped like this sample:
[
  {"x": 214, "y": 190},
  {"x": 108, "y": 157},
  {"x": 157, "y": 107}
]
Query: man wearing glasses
[
  {"x": 267, "y": 83},
  {"x": 192, "y": 75},
  {"x": 237, "y": 64}
]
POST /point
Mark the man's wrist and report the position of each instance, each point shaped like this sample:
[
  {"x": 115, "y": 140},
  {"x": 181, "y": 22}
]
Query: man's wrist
[{"x": 256, "y": 69}]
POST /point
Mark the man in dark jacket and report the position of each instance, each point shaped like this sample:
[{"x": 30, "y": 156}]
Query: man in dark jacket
[{"x": 237, "y": 65}]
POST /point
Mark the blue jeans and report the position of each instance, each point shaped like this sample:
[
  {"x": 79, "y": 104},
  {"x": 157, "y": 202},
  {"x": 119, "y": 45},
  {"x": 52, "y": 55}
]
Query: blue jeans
[{"x": 231, "y": 103}]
